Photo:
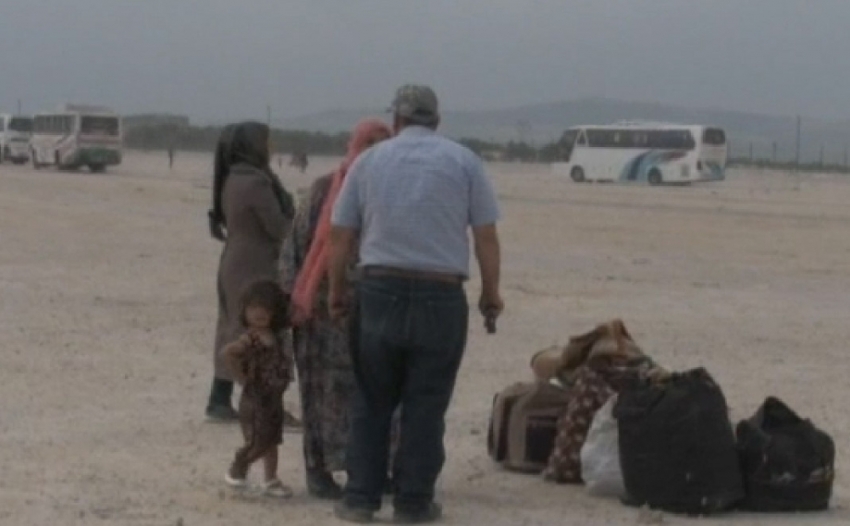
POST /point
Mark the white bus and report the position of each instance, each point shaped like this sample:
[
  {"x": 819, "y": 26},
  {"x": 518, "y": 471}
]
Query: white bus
[
  {"x": 656, "y": 153},
  {"x": 15, "y": 133},
  {"x": 77, "y": 136}
]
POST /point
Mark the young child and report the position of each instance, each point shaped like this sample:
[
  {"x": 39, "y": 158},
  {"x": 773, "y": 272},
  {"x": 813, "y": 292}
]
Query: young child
[{"x": 261, "y": 364}]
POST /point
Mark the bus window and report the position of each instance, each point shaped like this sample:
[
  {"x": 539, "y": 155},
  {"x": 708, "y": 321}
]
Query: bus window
[
  {"x": 21, "y": 124},
  {"x": 687, "y": 139},
  {"x": 99, "y": 126},
  {"x": 600, "y": 138},
  {"x": 617, "y": 139},
  {"x": 611, "y": 138},
  {"x": 714, "y": 137},
  {"x": 582, "y": 139},
  {"x": 629, "y": 139},
  {"x": 671, "y": 140}
]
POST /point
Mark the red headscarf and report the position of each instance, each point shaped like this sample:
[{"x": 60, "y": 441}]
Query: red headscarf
[{"x": 315, "y": 266}]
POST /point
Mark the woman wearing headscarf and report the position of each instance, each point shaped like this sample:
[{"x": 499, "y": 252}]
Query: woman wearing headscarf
[
  {"x": 322, "y": 354},
  {"x": 256, "y": 212}
]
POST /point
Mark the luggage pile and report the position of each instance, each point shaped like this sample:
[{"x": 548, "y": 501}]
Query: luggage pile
[{"x": 602, "y": 413}]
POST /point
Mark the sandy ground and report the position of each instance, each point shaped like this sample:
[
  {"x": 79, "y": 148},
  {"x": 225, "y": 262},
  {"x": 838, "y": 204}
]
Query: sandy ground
[{"x": 108, "y": 308}]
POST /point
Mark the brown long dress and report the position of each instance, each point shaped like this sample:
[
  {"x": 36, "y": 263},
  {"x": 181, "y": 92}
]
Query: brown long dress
[
  {"x": 256, "y": 227},
  {"x": 266, "y": 370}
]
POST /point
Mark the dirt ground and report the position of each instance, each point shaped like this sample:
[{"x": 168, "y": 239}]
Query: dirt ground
[{"x": 108, "y": 309}]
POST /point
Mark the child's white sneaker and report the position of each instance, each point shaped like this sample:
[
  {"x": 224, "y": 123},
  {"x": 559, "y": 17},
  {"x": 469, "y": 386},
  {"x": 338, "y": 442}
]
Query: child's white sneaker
[
  {"x": 277, "y": 489},
  {"x": 235, "y": 482}
]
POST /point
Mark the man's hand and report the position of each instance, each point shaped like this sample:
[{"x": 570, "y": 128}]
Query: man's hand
[
  {"x": 342, "y": 243},
  {"x": 491, "y": 306},
  {"x": 337, "y": 305},
  {"x": 488, "y": 254},
  {"x": 217, "y": 230}
]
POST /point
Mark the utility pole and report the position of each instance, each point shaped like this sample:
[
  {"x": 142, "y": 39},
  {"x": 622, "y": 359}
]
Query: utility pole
[
  {"x": 797, "y": 154},
  {"x": 522, "y": 128}
]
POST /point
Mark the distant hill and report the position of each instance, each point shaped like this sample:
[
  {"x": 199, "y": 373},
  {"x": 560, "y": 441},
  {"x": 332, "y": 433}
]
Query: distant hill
[
  {"x": 155, "y": 119},
  {"x": 544, "y": 123}
]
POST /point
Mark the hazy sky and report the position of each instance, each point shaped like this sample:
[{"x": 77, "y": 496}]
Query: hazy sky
[{"x": 222, "y": 59}]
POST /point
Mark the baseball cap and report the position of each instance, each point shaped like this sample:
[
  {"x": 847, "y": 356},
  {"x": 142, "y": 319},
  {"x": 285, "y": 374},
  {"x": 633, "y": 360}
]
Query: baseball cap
[{"x": 417, "y": 103}]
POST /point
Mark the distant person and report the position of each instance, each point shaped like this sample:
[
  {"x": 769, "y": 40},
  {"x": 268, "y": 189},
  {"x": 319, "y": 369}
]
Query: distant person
[
  {"x": 323, "y": 358},
  {"x": 259, "y": 361},
  {"x": 254, "y": 216},
  {"x": 410, "y": 202},
  {"x": 299, "y": 161}
]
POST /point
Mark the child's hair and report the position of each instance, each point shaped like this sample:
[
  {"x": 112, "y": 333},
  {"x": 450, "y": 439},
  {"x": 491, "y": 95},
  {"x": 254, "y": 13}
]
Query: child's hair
[{"x": 267, "y": 294}]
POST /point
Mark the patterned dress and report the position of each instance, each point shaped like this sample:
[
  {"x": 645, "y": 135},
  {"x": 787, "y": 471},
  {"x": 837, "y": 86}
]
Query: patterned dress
[
  {"x": 592, "y": 386},
  {"x": 325, "y": 374},
  {"x": 588, "y": 394},
  {"x": 267, "y": 372}
]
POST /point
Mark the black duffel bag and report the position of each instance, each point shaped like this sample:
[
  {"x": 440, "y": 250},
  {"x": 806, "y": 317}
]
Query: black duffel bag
[
  {"x": 788, "y": 463},
  {"x": 677, "y": 446}
]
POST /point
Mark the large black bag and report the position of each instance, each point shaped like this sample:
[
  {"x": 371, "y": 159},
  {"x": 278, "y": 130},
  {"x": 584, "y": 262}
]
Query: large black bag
[
  {"x": 788, "y": 463},
  {"x": 677, "y": 446}
]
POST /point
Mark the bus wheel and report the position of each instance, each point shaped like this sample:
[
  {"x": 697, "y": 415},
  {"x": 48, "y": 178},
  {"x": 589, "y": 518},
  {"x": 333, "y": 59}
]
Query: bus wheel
[
  {"x": 97, "y": 168},
  {"x": 654, "y": 177},
  {"x": 577, "y": 174}
]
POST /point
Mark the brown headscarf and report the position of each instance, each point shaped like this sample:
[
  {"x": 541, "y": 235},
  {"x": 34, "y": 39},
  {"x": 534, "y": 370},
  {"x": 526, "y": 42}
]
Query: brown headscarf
[{"x": 249, "y": 144}]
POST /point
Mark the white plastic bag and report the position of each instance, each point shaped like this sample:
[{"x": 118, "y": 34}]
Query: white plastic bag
[{"x": 600, "y": 455}]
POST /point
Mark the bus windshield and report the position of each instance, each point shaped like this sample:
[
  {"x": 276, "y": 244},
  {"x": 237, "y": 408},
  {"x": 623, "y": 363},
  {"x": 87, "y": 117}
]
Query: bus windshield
[
  {"x": 566, "y": 145},
  {"x": 99, "y": 126},
  {"x": 714, "y": 137},
  {"x": 21, "y": 124}
]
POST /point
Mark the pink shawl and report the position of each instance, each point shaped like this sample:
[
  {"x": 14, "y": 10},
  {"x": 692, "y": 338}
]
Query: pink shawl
[{"x": 315, "y": 266}]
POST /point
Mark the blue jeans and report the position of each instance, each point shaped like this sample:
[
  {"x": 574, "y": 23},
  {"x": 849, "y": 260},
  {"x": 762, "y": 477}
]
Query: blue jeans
[{"x": 408, "y": 342}]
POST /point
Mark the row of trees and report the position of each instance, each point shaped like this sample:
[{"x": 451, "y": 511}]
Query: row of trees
[
  {"x": 203, "y": 138},
  {"x": 789, "y": 166}
]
